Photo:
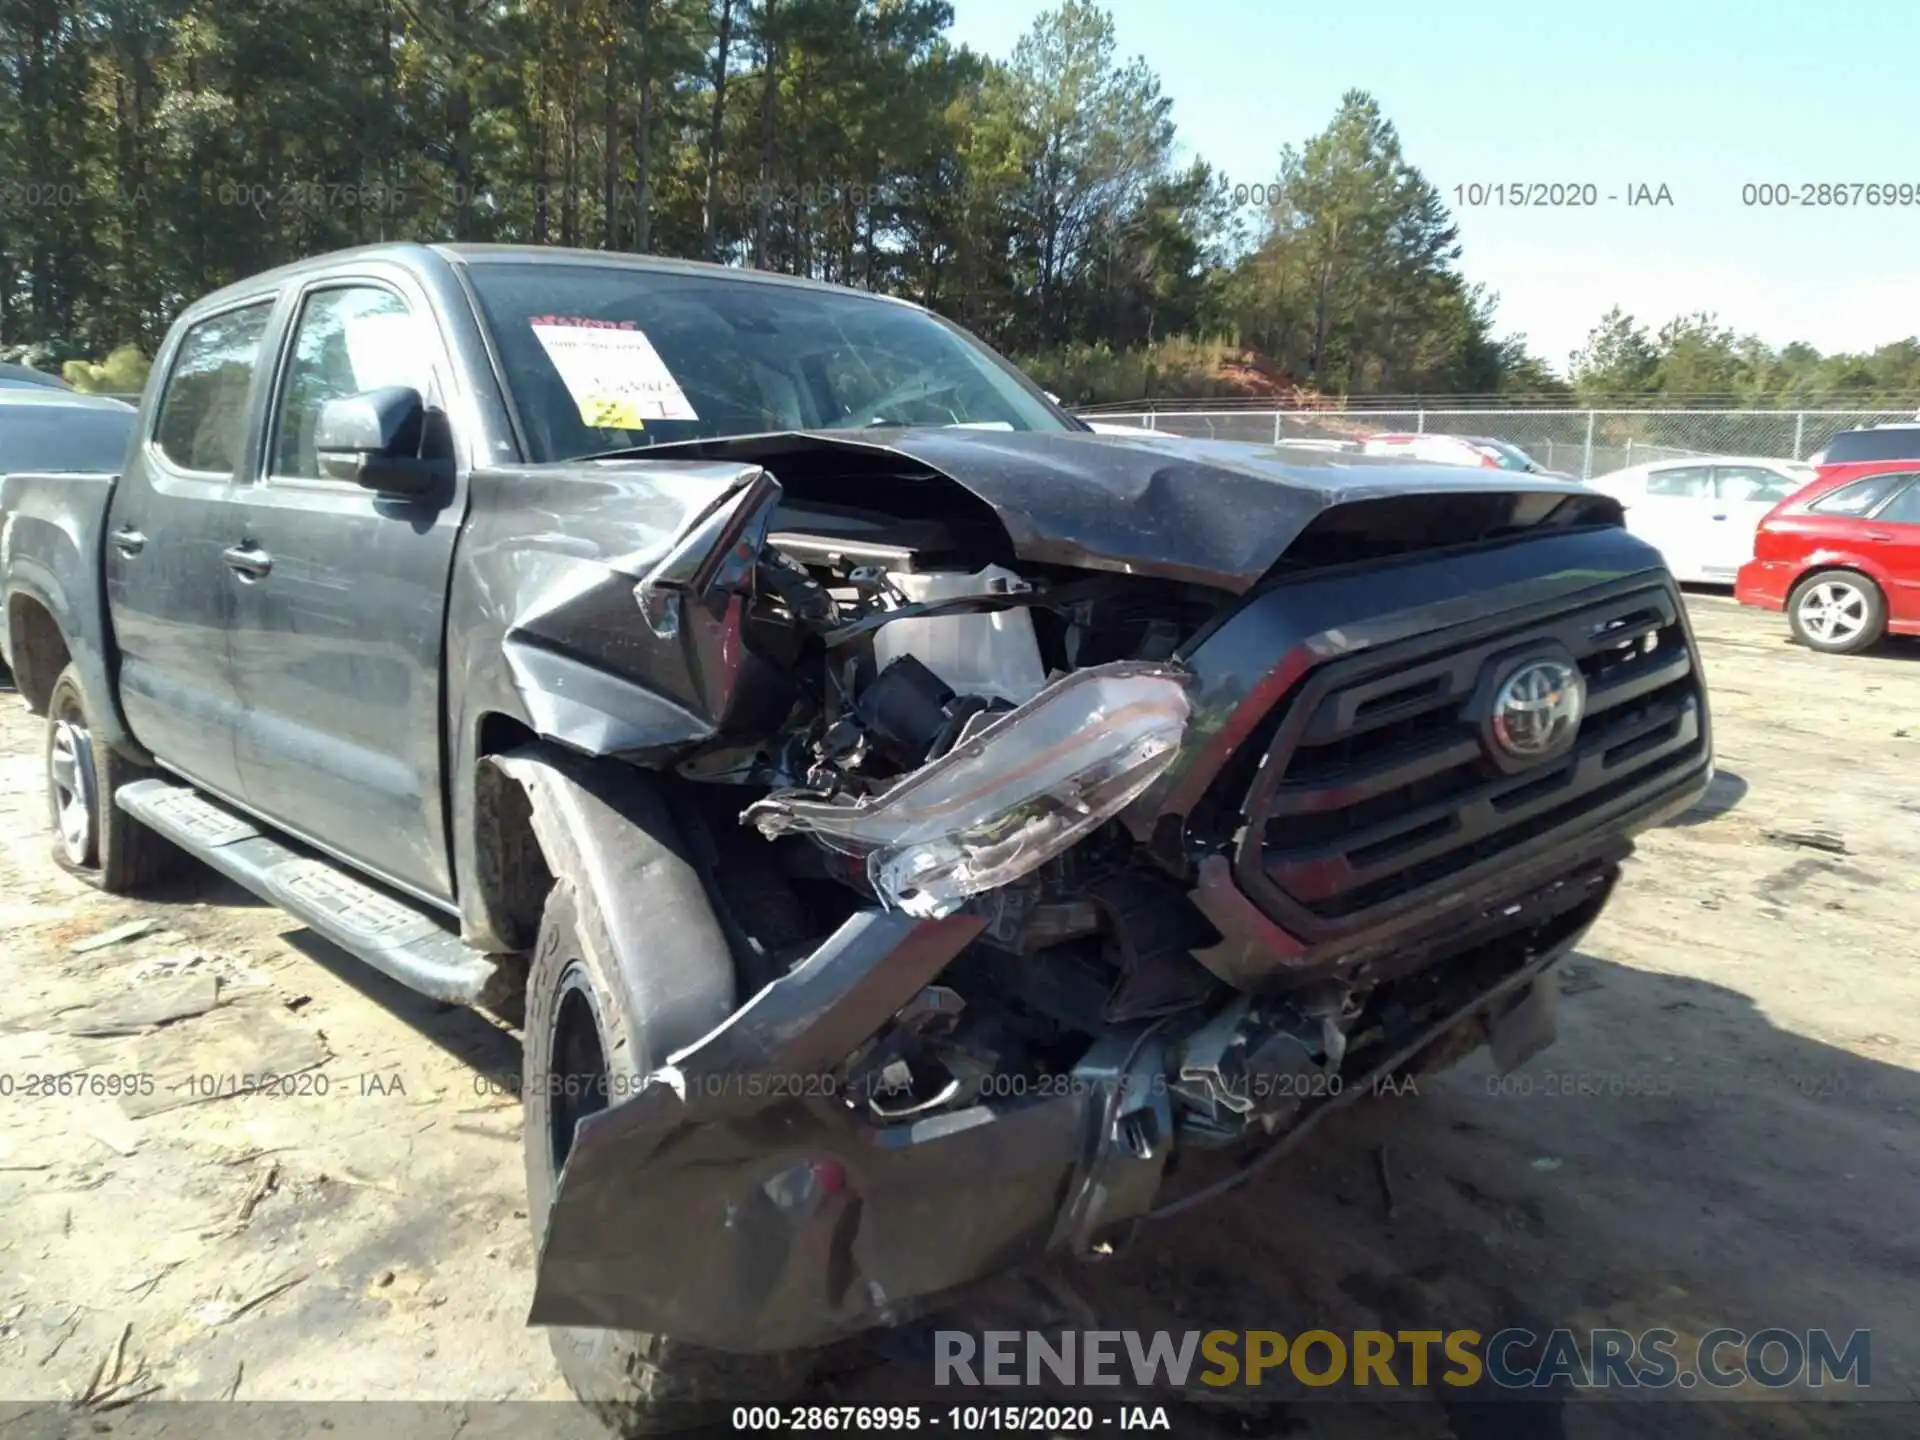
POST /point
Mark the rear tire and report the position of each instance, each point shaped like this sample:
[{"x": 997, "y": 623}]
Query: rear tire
[
  {"x": 94, "y": 838},
  {"x": 1837, "y": 612},
  {"x": 580, "y": 1048}
]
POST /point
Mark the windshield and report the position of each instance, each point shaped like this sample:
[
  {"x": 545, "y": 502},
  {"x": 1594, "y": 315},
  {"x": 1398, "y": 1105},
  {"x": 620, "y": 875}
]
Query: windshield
[{"x": 603, "y": 358}]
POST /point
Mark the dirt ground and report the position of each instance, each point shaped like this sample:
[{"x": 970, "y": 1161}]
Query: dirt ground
[{"x": 1727, "y": 1133}]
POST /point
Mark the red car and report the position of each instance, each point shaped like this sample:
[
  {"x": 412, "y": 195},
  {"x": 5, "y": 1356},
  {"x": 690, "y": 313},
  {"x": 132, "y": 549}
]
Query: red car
[{"x": 1842, "y": 556}]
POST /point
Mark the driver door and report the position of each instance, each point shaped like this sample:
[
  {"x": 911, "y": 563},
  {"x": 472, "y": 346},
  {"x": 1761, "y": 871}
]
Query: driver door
[{"x": 337, "y": 639}]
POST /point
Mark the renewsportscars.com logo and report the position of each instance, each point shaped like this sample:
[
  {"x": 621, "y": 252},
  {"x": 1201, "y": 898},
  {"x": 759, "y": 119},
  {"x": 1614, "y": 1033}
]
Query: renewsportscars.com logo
[{"x": 1509, "y": 1359}]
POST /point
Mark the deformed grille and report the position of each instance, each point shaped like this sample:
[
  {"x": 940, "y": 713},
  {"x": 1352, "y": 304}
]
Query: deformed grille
[{"x": 1379, "y": 786}]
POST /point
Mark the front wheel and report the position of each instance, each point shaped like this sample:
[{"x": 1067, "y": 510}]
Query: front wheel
[
  {"x": 582, "y": 1048},
  {"x": 1837, "y": 612},
  {"x": 92, "y": 837}
]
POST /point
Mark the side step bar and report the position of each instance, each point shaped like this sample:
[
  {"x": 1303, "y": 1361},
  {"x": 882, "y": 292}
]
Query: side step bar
[{"x": 390, "y": 934}]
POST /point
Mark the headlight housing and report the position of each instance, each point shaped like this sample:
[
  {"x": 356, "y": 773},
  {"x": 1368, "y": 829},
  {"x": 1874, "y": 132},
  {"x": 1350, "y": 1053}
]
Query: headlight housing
[{"x": 1008, "y": 799}]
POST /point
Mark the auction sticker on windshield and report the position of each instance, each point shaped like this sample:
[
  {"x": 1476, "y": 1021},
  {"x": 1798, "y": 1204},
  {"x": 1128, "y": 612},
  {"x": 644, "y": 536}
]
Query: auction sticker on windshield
[{"x": 615, "y": 376}]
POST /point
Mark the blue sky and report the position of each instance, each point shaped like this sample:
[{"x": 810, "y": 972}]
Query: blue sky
[{"x": 1699, "y": 95}]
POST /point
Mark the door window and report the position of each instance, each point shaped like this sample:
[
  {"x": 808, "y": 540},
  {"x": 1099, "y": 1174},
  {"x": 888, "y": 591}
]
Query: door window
[
  {"x": 1741, "y": 483},
  {"x": 349, "y": 339},
  {"x": 1862, "y": 497},
  {"x": 1681, "y": 482},
  {"x": 1904, "y": 508},
  {"x": 202, "y": 422}
]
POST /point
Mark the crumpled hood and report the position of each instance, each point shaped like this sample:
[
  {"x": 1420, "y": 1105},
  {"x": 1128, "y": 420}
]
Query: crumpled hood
[{"x": 1219, "y": 513}]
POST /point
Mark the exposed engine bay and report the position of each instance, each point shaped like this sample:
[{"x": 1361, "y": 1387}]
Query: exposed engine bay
[
  {"x": 967, "y": 734},
  {"x": 1072, "y": 802}
]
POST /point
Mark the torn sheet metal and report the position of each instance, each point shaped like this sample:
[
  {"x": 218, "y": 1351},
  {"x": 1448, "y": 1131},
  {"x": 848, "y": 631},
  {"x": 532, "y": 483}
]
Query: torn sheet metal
[
  {"x": 1202, "y": 511},
  {"x": 623, "y": 614},
  {"x": 795, "y": 1222}
]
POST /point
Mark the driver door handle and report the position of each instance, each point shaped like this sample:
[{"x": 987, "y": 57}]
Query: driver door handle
[
  {"x": 249, "y": 562},
  {"x": 128, "y": 541}
]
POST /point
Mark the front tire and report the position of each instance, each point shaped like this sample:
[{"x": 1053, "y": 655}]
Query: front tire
[
  {"x": 1837, "y": 612},
  {"x": 94, "y": 838},
  {"x": 581, "y": 1046}
]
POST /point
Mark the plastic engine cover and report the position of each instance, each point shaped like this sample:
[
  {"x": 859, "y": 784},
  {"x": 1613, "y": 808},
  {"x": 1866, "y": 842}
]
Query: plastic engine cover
[{"x": 994, "y": 655}]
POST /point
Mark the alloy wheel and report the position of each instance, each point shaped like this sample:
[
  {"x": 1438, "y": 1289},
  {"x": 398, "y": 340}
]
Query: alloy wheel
[
  {"x": 1833, "y": 612},
  {"x": 70, "y": 777}
]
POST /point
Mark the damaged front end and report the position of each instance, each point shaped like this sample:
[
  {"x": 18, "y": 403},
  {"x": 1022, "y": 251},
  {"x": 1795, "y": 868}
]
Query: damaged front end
[
  {"x": 1011, "y": 793},
  {"x": 1041, "y": 929},
  {"x": 859, "y": 1141}
]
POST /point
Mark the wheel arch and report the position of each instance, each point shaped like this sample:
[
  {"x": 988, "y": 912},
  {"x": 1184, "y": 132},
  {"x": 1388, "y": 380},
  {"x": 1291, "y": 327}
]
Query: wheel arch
[
  {"x": 1818, "y": 564},
  {"x": 606, "y": 831},
  {"x": 37, "y": 648}
]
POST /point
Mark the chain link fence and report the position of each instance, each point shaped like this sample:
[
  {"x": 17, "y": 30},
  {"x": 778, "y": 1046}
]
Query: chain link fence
[{"x": 1581, "y": 443}]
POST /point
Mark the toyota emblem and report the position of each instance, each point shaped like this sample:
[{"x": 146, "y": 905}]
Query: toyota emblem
[{"x": 1537, "y": 709}]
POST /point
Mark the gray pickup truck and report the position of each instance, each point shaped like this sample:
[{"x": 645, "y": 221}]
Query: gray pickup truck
[{"x": 902, "y": 821}]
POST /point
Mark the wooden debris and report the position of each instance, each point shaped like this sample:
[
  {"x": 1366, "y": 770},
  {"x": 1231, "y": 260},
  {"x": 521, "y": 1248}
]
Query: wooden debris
[{"x": 132, "y": 930}]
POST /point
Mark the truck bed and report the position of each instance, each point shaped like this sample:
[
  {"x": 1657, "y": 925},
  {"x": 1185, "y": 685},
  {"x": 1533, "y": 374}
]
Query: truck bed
[{"x": 51, "y": 523}]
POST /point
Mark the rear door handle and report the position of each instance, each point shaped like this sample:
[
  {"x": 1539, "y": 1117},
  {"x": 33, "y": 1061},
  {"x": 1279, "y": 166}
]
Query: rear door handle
[
  {"x": 249, "y": 562},
  {"x": 1719, "y": 517},
  {"x": 128, "y": 541},
  {"x": 1879, "y": 537}
]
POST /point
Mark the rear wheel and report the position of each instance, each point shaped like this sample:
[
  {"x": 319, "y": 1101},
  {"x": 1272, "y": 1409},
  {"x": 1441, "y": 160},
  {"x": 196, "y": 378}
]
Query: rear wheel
[
  {"x": 1838, "y": 612},
  {"x": 582, "y": 1047},
  {"x": 92, "y": 837}
]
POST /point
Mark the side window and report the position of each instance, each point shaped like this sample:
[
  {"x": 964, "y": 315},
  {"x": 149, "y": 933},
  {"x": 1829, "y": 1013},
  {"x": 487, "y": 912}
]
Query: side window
[
  {"x": 1752, "y": 482},
  {"x": 1904, "y": 509},
  {"x": 1681, "y": 481},
  {"x": 349, "y": 339},
  {"x": 1862, "y": 497},
  {"x": 203, "y": 412}
]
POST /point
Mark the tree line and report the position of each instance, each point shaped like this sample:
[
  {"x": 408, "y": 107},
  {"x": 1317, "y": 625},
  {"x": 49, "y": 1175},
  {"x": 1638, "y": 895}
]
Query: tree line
[{"x": 151, "y": 150}]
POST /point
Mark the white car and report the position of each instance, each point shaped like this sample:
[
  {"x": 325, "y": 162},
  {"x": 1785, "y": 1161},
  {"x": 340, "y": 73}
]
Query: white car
[
  {"x": 1480, "y": 451},
  {"x": 1435, "y": 449},
  {"x": 1701, "y": 513}
]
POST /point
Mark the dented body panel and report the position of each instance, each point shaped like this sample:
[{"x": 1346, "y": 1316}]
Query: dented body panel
[
  {"x": 1210, "y": 512},
  {"x": 544, "y": 629},
  {"x": 1352, "y": 753},
  {"x": 796, "y": 1225}
]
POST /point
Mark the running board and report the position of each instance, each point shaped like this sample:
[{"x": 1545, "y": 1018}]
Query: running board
[{"x": 373, "y": 926}]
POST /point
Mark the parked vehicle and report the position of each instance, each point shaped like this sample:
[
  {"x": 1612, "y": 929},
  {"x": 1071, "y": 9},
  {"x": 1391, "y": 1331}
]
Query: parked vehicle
[
  {"x": 1896, "y": 440},
  {"x": 1700, "y": 513},
  {"x": 1509, "y": 456},
  {"x": 14, "y": 377},
  {"x": 1435, "y": 449},
  {"x": 904, "y": 822},
  {"x": 1480, "y": 451},
  {"x": 45, "y": 429},
  {"x": 1842, "y": 557}
]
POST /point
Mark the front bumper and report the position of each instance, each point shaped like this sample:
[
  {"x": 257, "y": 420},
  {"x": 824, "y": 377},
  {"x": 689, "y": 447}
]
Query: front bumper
[{"x": 739, "y": 1202}]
